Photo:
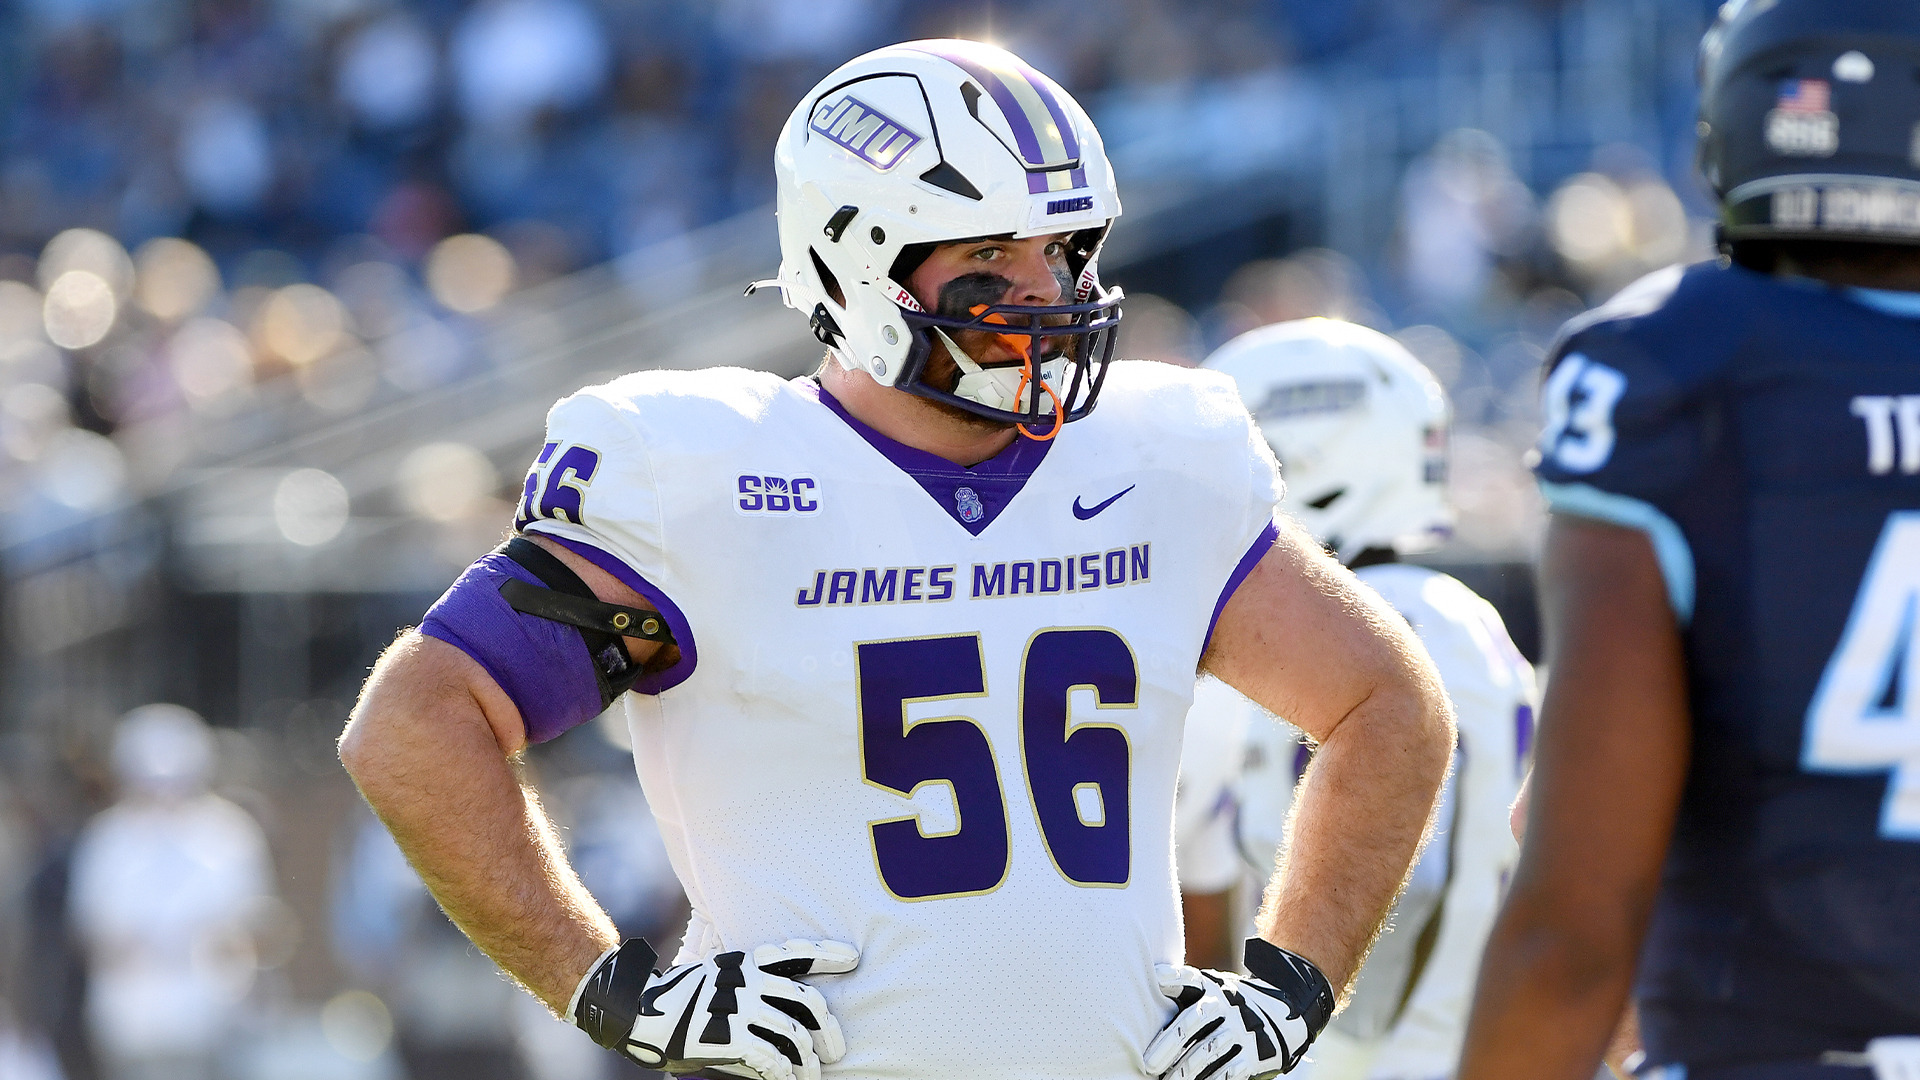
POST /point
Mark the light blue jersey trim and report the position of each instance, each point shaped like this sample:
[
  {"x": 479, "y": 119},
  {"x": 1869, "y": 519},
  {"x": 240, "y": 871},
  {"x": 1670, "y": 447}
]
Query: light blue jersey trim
[
  {"x": 1906, "y": 305},
  {"x": 1669, "y": 543}
]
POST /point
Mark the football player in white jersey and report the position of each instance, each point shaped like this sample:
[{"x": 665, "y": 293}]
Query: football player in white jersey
[
  {"x": 906, "y": 648},
  {"x": 1359, "y": 426}
]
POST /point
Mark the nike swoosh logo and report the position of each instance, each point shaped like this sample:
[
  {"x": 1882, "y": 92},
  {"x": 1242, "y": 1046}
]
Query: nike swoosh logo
[{"x": 1085, "y": 512}]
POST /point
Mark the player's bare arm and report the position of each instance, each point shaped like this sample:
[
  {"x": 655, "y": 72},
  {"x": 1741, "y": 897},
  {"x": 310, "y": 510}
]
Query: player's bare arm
[
  {"x": 1608, "y": 771},
  {"x": 1623, "y": 1051},
  {"x": 1211, "y": 936},
  {"x": 1306, "y": 641},
  {"x": 432, "y": 745}
]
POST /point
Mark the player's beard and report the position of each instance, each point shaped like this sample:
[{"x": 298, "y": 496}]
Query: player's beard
[
  {"x": 960, "y": 298},
  {"x": 943, "y": 375}
]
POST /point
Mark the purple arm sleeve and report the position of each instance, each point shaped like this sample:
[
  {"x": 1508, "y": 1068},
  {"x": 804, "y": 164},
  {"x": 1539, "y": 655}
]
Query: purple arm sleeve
[{"x": 542, "y": 665}]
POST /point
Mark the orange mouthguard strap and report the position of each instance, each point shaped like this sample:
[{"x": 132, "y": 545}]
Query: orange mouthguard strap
[{"x": 1022, "y": 346}]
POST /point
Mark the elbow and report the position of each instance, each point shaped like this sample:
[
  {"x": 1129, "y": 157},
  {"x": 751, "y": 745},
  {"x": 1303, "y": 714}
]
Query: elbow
[
  {"x": 1574, "y": 954},
  {"x": 355, "y": 745},
  {"x": 426, "y": 703},
  {"x": 1426, "y": 733},
  {"x": 1438, "y": 736},
  {"x": 1416, "y": 729},
  {"x": 1405, "y": 717},
  {"x": 365, "y": 746},
  {"x": 1434, "y": 726},
  {"x": 1439, "y": 732},
  {"x": 375, "y": 733}
]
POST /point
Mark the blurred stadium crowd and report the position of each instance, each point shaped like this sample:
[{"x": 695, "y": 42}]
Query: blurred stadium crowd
[{"x": 225, "y": 222}]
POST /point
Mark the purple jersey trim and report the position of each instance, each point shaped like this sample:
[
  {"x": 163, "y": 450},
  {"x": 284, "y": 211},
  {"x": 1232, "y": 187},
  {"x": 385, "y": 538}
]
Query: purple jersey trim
[
  {"x": 1255, "y": 551},
  {"x": 543, "y": 666},
  {"x": 668, "y": 678},
  {"x": 993, "y": 483}
]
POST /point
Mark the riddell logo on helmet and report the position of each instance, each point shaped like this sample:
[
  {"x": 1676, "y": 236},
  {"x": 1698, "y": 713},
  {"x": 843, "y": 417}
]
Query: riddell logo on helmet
[
  {"x": 864, "y": 131},
  {"x": 1070, "y": 206}
]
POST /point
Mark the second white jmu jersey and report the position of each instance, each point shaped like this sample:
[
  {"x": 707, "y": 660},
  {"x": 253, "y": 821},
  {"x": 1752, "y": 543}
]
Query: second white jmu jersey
[
  {"x": 1408, "y": 1013},
  {"x": 931, "y": 712}
]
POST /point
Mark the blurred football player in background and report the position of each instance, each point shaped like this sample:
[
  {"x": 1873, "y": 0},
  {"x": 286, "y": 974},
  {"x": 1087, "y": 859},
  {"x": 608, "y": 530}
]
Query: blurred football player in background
[
  {"x": 1360, "y": 427},
  {"x": 912, "y": 641},
  {"x": 169, "y": 886},
  {"x": 1729, "y": 762}
]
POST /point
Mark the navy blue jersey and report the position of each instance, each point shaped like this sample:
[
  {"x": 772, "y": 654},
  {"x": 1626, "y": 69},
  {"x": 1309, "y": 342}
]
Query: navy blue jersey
[{"x": 1766, "y": 434}]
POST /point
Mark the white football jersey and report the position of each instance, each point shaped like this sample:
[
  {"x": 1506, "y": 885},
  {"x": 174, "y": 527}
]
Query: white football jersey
[
  {"x": 935, "y": 714},
  {"x": 1408, "y": 1013}
]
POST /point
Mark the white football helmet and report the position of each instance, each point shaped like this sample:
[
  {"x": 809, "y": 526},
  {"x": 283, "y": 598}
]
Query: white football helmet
[
  {"x": 933, "y": 141},
  {"x": 1359, "y": 426},
  {"x": 164, "y": 749}
]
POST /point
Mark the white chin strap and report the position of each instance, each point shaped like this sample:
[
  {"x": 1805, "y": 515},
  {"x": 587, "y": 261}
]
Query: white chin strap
[{"x": 998, "y": 388}]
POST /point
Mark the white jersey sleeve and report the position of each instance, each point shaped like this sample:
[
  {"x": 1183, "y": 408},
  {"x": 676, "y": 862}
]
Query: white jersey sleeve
[
  {"x": 597, "y": 488},
  {"x": 593, "y": 482}
]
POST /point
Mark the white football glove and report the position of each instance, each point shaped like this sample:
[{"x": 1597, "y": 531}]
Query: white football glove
[
  {"x": 730, "y": 1013},
  {"x": 1240, "y": 1027}
]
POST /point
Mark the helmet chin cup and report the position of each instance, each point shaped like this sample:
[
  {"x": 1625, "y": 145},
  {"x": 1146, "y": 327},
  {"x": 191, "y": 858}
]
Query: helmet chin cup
[
  {"x": 1001, "y": 387},
  {"x": 1075, "y": 343}
]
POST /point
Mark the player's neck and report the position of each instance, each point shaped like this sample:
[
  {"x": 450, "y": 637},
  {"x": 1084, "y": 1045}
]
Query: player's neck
[{"x": 915, "y": 421}]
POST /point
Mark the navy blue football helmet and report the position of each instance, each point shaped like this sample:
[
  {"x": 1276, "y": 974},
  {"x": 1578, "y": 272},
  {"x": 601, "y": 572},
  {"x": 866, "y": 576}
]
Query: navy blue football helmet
[{"x": 1810, "y": 119}]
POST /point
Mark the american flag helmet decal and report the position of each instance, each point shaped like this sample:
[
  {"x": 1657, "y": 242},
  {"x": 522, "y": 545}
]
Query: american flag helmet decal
[{"x": 1805, "y": 96}]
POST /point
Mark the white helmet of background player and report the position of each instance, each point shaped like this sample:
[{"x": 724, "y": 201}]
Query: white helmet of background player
[
  {"x": 933, "y": 141},
  {"x": 164, "y": 750},
  {"x": 1359, "y": 426}
]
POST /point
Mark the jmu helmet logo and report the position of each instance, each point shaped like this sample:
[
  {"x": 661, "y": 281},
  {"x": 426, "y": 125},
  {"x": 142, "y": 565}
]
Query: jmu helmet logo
[{"x": 866, "y": 132}]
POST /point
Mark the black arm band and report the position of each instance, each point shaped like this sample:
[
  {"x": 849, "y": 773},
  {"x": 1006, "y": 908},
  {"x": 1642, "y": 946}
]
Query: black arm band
[
  {"x": 610, "y": 1000},
  {"x": 1299, "y": 982},
  {"x": 567, "y": 599}
]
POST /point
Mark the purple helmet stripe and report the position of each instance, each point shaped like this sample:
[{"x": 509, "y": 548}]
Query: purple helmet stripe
[
  {"x": 1067, "y": 138},
  {"x": 1020, "y": 115},
  {"x": 1023, "y": 132}
]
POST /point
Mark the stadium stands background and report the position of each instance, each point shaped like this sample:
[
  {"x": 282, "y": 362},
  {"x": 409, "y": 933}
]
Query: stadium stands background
[{"x": 286, "y": 287}]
